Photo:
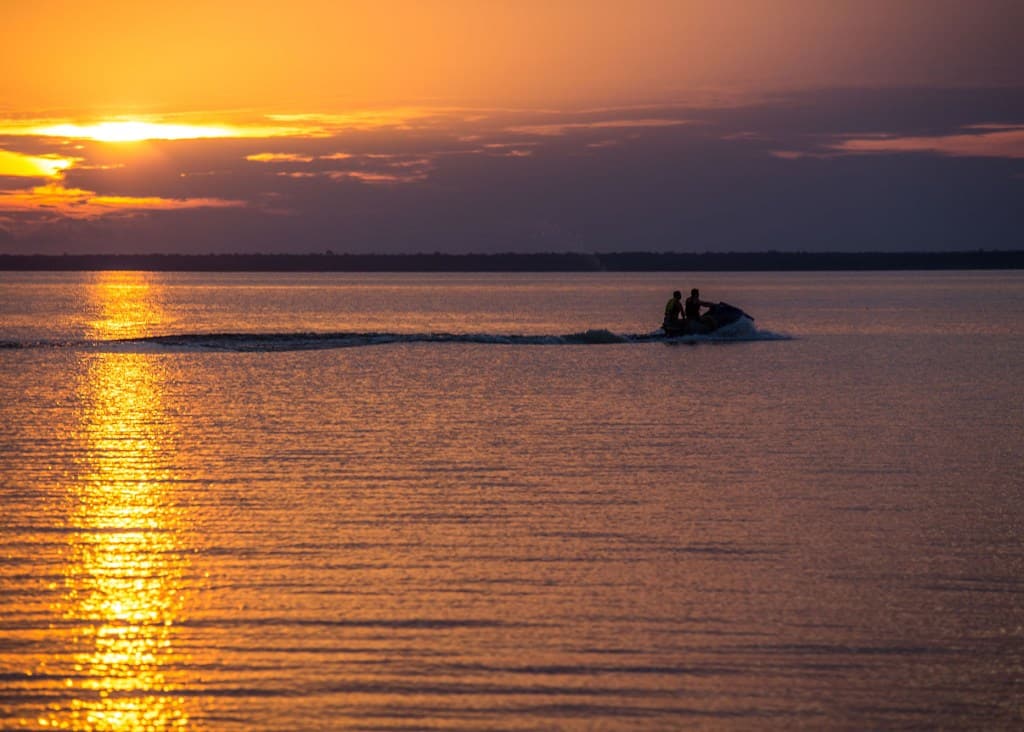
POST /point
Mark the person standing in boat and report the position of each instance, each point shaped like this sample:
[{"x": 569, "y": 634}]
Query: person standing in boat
[
  {"x": 674, "y": 312},
  {"x": 694, "y": 304}
]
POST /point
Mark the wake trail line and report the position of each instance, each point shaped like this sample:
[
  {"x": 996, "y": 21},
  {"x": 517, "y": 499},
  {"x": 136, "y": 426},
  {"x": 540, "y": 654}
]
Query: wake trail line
[
  {"x": 298, "y": 341},
  {"x": 314, "y": 341}
]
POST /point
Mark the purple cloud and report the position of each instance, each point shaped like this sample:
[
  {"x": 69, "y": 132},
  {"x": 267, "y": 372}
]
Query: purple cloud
[{"x": 821, "y": 170}]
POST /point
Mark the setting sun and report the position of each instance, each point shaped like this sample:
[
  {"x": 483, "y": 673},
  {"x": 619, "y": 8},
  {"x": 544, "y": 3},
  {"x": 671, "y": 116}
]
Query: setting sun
[{"x": 134, "y": 131}]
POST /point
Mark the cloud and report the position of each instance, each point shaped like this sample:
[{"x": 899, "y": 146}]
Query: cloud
[
  {"x": 981, "y": 141},
  {"x": 373, "y": 168},
  {"x": 76, "y": 203},
  {"x": 279, "y": 158},
  {"x": 821, "y": 170},
  {"x": 377, "y": 178},
  {"x": 56, "y": 199},
  {"x": 16, "y": 164},
  {"x": 617, "y": 124},
  {"x": 403, "y": 118}
]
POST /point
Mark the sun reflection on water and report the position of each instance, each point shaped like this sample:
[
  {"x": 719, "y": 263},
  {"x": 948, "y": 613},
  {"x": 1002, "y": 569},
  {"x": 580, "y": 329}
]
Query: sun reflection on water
[
  {"x": 125, "y": 304},
  {"x": 125, "y": 575}
]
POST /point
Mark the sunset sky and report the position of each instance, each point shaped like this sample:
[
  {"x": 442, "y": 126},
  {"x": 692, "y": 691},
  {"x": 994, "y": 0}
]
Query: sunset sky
[{"x": 486, "y": 125}]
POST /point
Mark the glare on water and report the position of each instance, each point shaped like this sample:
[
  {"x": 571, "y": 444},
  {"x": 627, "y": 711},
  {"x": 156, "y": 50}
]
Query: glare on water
[
  {"x": 822, "y": 531},
  {"x": 124, "y": 563},
  {"x": 124, "y": 305}
]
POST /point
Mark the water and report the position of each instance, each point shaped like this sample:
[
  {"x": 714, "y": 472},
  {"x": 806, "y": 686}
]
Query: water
[{"x": 815, "y": 522}]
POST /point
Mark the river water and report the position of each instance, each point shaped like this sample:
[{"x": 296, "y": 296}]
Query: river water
[{"x": 307, "y": 511}]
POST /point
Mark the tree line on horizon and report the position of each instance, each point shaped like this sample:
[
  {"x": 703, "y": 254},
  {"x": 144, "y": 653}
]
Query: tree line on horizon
[{"x": 520, "y": 262}]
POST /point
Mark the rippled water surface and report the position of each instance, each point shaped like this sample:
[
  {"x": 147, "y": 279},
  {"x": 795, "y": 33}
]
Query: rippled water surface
[{"x": 815, "y": 522}]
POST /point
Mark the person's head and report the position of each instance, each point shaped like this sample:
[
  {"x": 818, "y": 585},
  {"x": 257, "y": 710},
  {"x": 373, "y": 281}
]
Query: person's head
[
  {"x": 677, "y": 295},
  {"x": 694, "y": 292}
]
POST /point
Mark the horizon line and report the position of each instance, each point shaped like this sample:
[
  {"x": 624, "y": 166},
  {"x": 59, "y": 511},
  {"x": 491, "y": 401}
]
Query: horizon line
[{"x": 427, "y": 262}]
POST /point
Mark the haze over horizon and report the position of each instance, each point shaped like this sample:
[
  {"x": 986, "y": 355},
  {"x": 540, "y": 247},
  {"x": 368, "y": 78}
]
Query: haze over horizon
[{"x": 511, "y": 126}]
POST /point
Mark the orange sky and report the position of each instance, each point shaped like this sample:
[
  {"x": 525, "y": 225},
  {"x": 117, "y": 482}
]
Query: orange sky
[
  {"x": 84, "y": 56},
  {"x": 408, "y": 125}
]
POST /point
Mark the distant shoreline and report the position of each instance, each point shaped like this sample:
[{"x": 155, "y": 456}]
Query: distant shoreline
[{"x": 508, "y": 262}]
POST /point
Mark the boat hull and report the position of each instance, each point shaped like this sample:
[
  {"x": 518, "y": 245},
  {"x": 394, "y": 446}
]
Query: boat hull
[{"x": 718, "y": 316}]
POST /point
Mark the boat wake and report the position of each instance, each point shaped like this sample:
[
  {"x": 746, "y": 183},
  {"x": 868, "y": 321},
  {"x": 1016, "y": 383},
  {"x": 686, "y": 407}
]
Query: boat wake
[{"x": 264, "y": 342}]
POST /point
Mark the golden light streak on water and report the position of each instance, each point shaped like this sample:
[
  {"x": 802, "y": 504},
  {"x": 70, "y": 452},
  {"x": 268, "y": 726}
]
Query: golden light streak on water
[
  {"x": 126, "y": 305},
  {"x": 126, "y": 563}
]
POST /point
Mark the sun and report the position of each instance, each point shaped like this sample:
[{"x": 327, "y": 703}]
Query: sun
[
  {"x": 133, "y": 131},
  {"x": 121, "y": 129}
]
